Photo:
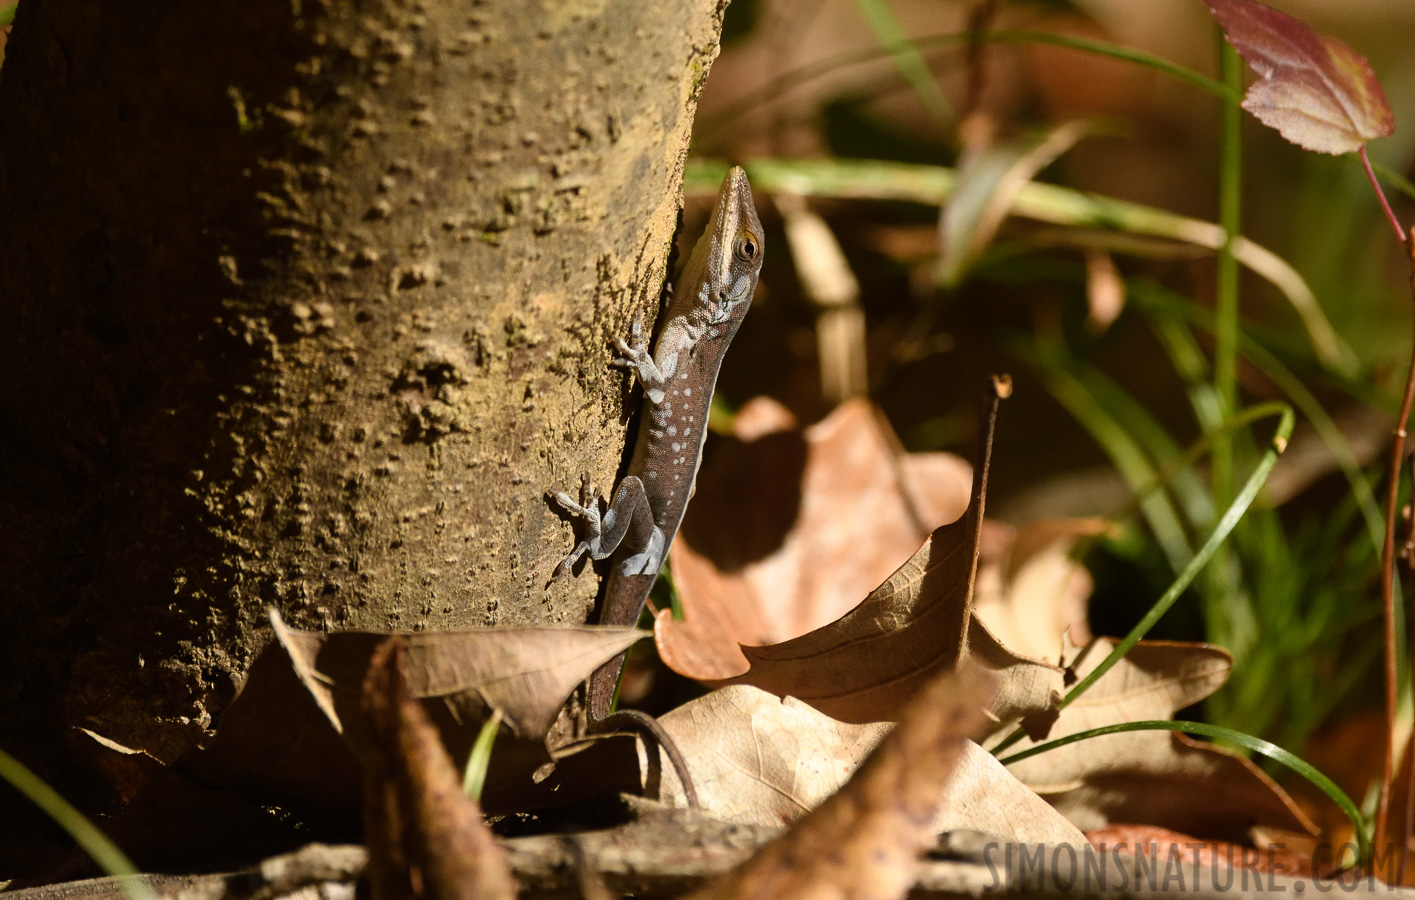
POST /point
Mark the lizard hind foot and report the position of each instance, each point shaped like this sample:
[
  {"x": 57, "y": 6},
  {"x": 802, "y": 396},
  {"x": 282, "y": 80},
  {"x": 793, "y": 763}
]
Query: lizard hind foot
[
  {"x": 567, "y": 565},
  {"x": 587, "y": 509}
]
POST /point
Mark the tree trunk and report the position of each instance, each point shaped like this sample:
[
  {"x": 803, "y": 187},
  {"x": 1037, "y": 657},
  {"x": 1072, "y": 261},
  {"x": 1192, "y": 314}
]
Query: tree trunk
[{"x": 306, "y": 304}]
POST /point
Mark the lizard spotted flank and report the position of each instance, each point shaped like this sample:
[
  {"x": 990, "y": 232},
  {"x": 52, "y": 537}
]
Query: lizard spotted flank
[{"x": 707, "y": 306}]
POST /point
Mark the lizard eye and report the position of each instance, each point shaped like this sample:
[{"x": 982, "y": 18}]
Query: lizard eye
[{"x": 748, "y": 246}]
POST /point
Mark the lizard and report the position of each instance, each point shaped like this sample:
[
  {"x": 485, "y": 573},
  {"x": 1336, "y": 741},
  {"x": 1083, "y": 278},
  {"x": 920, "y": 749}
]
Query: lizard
[{"x": 705, "y": 309}]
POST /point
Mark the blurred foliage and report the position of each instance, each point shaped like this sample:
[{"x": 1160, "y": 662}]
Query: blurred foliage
[{"x": 818, "y": 98}]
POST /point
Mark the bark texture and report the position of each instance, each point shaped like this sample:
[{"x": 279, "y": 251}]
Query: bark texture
[{"x": 307, "y": 303}]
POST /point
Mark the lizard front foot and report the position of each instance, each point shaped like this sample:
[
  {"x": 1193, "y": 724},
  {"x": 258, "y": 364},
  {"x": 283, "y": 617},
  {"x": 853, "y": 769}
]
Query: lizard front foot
[
  {"x": 635, "y": 351},
  {"x": 587, "y": 509},
  {"x": 635, "y": 355}
]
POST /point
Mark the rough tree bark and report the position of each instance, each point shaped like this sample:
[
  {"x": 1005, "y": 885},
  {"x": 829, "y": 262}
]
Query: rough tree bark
[{"x": 306, "y": 303}]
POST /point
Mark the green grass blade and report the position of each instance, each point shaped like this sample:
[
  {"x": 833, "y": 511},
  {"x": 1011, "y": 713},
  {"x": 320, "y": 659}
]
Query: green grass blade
[
  {"x": 1247, "y": 741},
  {"x": 1196, "y": 451},
  {"x": 670, "y": 587},
  {"x": 1055, "y": 205},
  {"x": 907, "y": 58},
  {"x": 1388, "y": 175},
  {"x": 1165, "y": 302},
  {"x": 1220, "y": 533},
  {"x": 7, "y": 13},
  {"x": 479, "y": 760},
  {"x": 1118, "y": 443},
  {"x": 1226, "y": 278},
  {"x": 788, "y": 81},
  {"x": 94, "y": 842},
  {"x": 1185, "y": 484},
  {"x": 987, "y": 180},
  {"x": 1230, "y": 520},
  {"x": 1326, "y": 429},
  {"x": 1110, "y": 51},
  {"x": 1188, "y": 360}
]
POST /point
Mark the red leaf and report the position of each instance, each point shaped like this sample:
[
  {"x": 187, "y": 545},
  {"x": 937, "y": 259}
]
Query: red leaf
[{"x": 1315, "y": 90}]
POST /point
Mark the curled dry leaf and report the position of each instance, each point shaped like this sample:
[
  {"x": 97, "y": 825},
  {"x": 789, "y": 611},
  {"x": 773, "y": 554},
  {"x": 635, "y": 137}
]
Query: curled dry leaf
[
  {"x": 426, "y": 839},
  {"x": 919, "y": 623},
  {"x": 1314, "y": 89},
  {"x": 867, "y": 839},
  {"x": 280, "y": 737},
  {"x": 760, "y": 759},
  {"x": 1154, "y": 777},
  {"x": 792, "y": 527},
  {"x": 526, "y": 673}
]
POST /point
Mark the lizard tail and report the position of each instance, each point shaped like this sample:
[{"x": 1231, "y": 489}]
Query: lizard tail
[{"x": 603, "y": 685}]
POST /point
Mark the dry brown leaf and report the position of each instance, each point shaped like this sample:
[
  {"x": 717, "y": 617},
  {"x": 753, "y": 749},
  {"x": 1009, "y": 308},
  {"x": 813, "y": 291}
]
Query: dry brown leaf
[
  {"x": 773, "y": 545},
  {"x": 275, "y": 745},
  {"x": 758, "y": 759},
  {"x": 867, "y": 839},
  {"x": 1154, "y": 777},
  {"x": 426, "y": 839},
  {"x": 526, "y": 673},
  {"x": 866, "y": 664},
  {"x": 983, "y": 796},
  {"x": 280, "y": 738},
  {"x": 761, "y": 760},
  {"x": 1030, "y": 592}
]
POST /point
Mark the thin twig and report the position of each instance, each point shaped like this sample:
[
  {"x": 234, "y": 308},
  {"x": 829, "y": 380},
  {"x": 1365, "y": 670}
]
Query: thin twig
[
  {"x": 1385, "y": 204},
  {"x": 1407, "y": 558},
  {"x": 1397, "y": 450},
  {"x": 1389, "y": 576}
]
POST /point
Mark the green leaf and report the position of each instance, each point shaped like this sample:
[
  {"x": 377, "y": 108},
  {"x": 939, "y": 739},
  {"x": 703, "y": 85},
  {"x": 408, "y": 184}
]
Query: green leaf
[{"x": 479, "y": 760}]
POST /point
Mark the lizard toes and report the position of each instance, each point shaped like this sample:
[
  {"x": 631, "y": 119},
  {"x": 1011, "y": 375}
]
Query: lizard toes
[
  {"x": 567, "y": 565},
  {"x": 568, "y": 502}
]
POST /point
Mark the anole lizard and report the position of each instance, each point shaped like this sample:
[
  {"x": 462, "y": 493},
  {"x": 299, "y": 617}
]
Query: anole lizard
[{"x": 709, "y": 302}]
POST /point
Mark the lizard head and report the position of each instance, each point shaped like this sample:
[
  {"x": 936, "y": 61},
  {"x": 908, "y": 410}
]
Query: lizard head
[
  {"x": 736, "y": 234},
  {"x": 729, "y": 255}
]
